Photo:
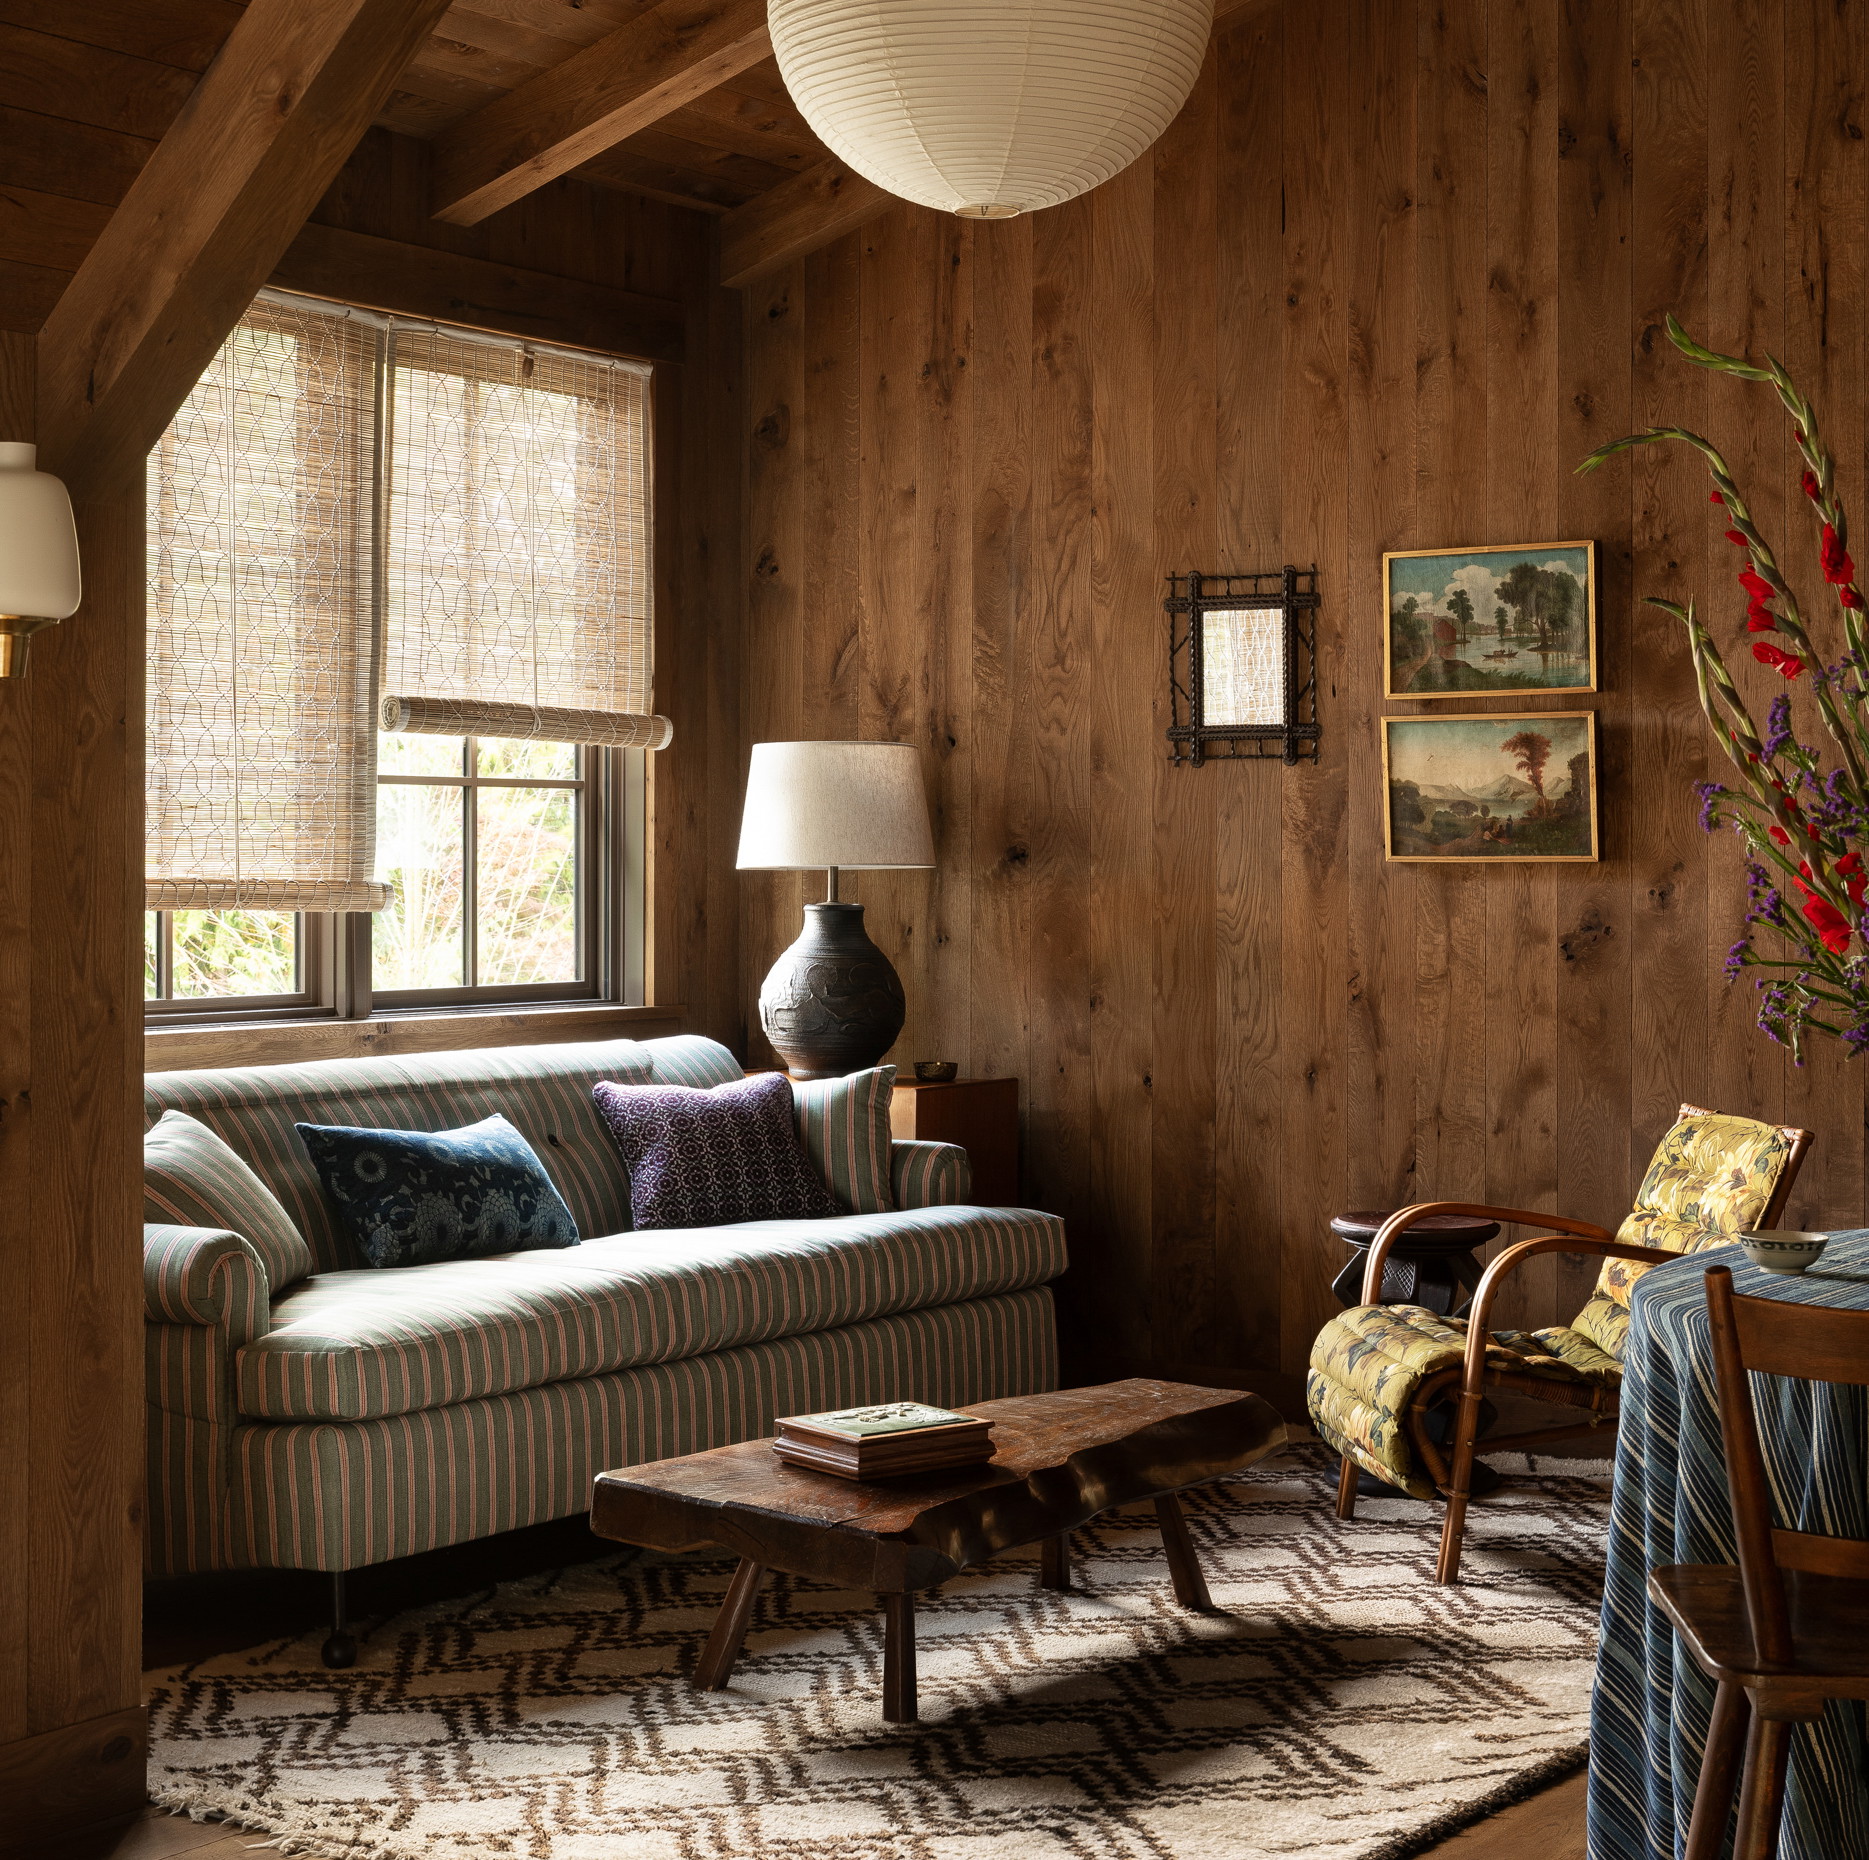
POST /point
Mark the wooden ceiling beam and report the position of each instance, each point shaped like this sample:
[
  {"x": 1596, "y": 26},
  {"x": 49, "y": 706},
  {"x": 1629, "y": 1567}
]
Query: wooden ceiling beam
[
  {"x": 829, "y": 199},
  {"x": 661, "y": 60},
  {"x": 796, "y": 217},
  {"x": 225, "y": 192},
  {"x": 419, "y": 281}
]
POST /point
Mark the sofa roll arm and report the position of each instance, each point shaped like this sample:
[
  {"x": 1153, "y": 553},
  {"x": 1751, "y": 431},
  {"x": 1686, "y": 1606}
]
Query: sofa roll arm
[
  {"x": 204, "y": 1276},
  {"x": 929, "y": 1175}
]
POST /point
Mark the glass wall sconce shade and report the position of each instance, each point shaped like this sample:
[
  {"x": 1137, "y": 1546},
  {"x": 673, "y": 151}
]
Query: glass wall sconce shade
[
  {"x": 1242, "y": 669},
  {"x": 38, "y": 553}
]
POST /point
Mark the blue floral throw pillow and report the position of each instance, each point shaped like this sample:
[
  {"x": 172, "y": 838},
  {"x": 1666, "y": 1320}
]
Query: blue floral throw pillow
[
  {"x": 710, "y": 1158},
  {"x": 412, "y": 1197}
]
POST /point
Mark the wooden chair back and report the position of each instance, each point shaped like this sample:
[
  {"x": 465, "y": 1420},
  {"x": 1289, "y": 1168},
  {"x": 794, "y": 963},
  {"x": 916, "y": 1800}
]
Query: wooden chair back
[{"x": 1774, "y": 1337}]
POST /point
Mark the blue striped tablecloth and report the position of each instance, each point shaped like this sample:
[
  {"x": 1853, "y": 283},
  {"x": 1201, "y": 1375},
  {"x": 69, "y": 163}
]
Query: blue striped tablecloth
[{"x": 1648, "y": 1721}]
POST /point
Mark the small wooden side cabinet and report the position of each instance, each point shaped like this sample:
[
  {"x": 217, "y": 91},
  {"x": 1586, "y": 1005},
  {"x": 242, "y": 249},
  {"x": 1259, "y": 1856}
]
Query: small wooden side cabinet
[{"x": 981, "y": 1115}]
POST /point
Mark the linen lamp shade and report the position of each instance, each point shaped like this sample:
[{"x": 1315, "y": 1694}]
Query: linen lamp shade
[
  {"x": 833, "y": 1003},
  {"x": 38, "y": 553},
  {"x": 989, "y": 108},
  {"x": 819, "y": 806}
]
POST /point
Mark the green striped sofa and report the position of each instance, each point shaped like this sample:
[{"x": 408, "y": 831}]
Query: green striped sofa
[{"x": 358, "y": 1415}]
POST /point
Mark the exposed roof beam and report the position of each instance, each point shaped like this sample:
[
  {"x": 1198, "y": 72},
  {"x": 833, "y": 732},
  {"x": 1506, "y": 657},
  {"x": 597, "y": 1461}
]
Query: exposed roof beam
[
  {"x": 826, "y": 201},
  {"x": 598, "y": 97},
  {"x": 798, "y": 216},
  {"x": 258, "y": 141},
  {"x": 418, "y": 281}
]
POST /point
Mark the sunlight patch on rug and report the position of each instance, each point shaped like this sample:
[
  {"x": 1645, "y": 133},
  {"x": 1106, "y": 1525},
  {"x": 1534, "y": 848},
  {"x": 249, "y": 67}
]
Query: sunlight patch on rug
[{"x": 1338, "y": 1704}]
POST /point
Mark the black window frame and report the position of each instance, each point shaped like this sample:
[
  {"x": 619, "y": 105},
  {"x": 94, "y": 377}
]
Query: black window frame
[{"x": 336, "y": 968}]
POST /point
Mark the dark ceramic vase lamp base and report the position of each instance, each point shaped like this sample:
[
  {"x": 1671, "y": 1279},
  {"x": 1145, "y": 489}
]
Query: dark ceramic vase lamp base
[{"x": 832, "y": 1003}]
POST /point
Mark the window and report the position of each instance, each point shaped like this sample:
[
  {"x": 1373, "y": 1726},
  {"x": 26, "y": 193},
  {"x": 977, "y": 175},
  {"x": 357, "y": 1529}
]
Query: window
[{"x": 352, "y": 515}]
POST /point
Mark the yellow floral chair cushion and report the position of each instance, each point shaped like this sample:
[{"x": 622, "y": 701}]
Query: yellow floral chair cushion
[{"x": 1711, "y": 1176}]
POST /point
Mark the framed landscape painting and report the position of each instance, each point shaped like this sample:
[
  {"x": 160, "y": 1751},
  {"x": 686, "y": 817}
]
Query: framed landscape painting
[
  {"x": 1493, "y": 787},
  {"x": 1516, "y": 620}
]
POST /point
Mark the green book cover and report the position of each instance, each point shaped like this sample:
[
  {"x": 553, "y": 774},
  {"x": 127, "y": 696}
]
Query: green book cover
[{"x": 896, "y": 1417}]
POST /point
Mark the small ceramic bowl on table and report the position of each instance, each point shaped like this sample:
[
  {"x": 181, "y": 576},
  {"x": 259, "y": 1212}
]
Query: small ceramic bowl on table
[{"x": 1781, "y": 1249}]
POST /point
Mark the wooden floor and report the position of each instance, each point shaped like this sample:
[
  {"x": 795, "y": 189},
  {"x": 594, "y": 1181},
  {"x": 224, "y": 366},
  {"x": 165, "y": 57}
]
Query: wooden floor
[
  {"x": 1549, "y": 1825},
  {"x": 195, "y": 1617}
]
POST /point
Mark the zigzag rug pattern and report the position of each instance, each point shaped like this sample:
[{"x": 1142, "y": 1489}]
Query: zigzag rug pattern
[{"x": 1337, "y": 1704}]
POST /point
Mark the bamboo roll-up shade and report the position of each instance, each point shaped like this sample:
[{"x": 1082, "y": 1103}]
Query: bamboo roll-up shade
[
  {"x": 261, "y": 772},
  {"x": 517, "y": 543}
]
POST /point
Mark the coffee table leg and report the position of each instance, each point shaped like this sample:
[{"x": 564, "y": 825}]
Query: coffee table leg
[
  {"x": 730, "y": 1625},
  {"x": 899, "y": 1658},
  {"x": 1054, "y": 1562},
  {"x": 1184, "y": 1567}
]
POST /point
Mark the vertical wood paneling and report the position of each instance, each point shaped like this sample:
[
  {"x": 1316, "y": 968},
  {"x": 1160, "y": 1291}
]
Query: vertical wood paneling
[
  {"x": 1745, "y": 314},
  {"x": 1314, "y": 941},
  {"x": 1522, "y": 470},
  {"x": 1667, "y": 749},
  {"x": 1594, "y": 945},
  {"x": 1824, "y": 332},
  {"x": 1393, "y": 272},
  {"x": 1379, "y": 1086},
  {"x": 1248, "y": 803},
  {"x": 1183, "y": 878},
  {"x": 1450, "y": 498}
]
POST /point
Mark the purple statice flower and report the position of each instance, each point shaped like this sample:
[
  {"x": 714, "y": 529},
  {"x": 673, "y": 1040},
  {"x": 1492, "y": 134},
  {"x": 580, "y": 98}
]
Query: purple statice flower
[
  {"x": 1856, "y": 1038},
  {"x": 1709, "y": 792},
  {"x": 1736, "y": 958},
  {"x": 1778, "y": 724}
]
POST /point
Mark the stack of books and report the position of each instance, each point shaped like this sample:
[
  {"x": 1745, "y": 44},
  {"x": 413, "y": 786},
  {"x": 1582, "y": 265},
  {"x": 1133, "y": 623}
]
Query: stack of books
[{"x": 884, "y": 1441}]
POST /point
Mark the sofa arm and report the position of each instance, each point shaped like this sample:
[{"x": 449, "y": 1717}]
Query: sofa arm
[
  {"x": 204, "y": 1276},
  {"x": 929, "y": 1175}
]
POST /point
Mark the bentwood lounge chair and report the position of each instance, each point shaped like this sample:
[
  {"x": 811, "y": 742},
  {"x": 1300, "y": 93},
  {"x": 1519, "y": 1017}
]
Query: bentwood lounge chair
[
  {"x": 1377, "y": 1371},
  {"x": 1789, "y": 1627}
]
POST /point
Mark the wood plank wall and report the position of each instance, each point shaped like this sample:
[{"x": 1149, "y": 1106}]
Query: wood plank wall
[{"x": 1397, "y": 267}]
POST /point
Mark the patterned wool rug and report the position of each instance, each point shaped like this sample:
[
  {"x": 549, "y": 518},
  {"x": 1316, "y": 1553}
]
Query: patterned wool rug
[{"x": 1337, "y": 1703}]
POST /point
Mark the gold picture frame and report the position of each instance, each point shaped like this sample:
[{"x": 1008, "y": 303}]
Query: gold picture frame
[
  {"x": 1495, "y": 620},
  {"x": 1485, "y": 787}
]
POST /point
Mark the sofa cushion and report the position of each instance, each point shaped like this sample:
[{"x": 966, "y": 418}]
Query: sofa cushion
[
  {"x": 710, "y": 1158},
  {"x": 545, "y": 1091},
  {"x": 192, "y": 1179},
  {"x": 844, "y": 1126},
  {"x": 354, "y": 1345},
  {"x": 411, "y": 1198}
]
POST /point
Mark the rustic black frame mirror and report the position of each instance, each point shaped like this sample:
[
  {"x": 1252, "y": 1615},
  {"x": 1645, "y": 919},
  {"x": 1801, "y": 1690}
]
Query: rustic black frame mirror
[{"x": 1242, "y": 666}]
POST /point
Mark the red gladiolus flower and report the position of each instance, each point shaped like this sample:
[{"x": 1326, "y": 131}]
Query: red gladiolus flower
[
  {"x": 1824, "y": 917},
  {"x": 1716, "y": 498},
  {"x": 1781, "y": 836},
  {"x": 1761, "y": 619},
  {"x": 1855, "y": 879},
  {"x": 1850, "y": 598},
  {"x": 1838, "y": 568},
  {"x": 1736, "y": 539},
  {"x": 1808, "y": 485},
  {"x": 1785, "y": 664},
  {"x": 1755, "y": 584}
]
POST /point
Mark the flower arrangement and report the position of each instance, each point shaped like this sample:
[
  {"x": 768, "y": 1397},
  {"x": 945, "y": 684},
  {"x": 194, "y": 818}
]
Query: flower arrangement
[{"x": 1803, "y": 814}]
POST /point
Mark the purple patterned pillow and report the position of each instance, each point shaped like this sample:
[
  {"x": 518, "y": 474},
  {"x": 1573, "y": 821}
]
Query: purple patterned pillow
[{"x": 708, "y": 1158}]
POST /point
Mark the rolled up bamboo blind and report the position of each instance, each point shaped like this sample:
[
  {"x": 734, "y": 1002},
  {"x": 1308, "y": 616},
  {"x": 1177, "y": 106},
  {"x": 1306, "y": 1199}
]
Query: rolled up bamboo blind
[
  {"x": 262, "y": 659},
  {"x": 517, "y": 543}
]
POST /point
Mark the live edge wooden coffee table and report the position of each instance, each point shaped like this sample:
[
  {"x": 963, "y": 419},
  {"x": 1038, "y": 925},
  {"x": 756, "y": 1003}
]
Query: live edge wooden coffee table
[{"x": 1059, "y": 1461}]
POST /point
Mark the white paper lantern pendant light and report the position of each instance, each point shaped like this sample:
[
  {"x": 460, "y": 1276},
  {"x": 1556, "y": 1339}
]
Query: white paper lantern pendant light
[{"x": 989, "y": 108}]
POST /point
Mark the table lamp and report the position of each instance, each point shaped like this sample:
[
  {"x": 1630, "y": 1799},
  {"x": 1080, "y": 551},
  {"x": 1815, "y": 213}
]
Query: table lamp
[{"x": 833, "y": 1002}]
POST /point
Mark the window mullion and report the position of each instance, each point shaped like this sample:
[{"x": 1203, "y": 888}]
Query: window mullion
[{"x": 470, "y": 865}]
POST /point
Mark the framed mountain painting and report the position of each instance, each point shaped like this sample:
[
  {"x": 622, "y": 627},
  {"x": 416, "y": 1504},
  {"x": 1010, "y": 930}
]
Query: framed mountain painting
[
  {"x": 1497, "y": 787},
  {"x": 1516, "y": 620}
]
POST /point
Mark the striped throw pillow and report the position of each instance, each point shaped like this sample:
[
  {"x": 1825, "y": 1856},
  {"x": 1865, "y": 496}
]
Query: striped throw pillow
[
  {"x": 844, "y": 1126},
  {"x": 193, "y": 1179}
]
